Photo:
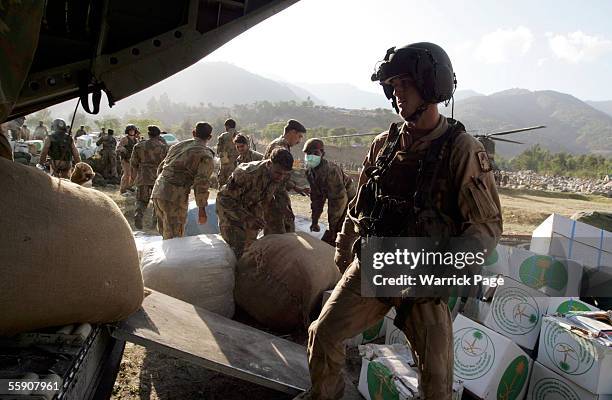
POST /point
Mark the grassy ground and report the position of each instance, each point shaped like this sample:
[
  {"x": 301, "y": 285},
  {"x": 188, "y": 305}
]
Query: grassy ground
[{"x": 152, "y": 375}]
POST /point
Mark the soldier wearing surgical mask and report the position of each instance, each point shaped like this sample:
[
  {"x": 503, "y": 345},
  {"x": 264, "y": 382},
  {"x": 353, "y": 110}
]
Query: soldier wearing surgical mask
[{"x": 328, "y": 182}]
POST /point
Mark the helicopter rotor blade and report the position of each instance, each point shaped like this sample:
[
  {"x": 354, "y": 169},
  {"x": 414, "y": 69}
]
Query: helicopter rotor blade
[
  {"x": 505, "y": 140},
  {"x": 516, "y": 130}
]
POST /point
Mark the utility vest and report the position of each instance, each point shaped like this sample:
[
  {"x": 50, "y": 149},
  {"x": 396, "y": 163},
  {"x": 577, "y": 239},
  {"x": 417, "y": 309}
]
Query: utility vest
[
  {"x": 408, "y": 194},
  {"x": 129, "y": 147},
  {"x": 60, "y": 148}
]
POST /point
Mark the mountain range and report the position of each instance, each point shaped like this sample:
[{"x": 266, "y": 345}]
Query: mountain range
[{"x": 573, "y": 125}]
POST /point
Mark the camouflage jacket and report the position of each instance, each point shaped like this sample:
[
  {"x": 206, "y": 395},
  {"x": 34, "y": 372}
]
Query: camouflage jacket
[
  {"x": 126, "y": 146},
  {"x": 146, "y": 157},
  {"x": 466, "y": 190},
  {"x": 226, "y": 150},
  {"x": 251, "y": 155},
  {"x": 247, "y": 192},
  {"x": 329, "y": 182},
  {"x": 188, "y": 163},
  {"x": 108, "y": 143},
  {"x": 282, "y": 143}
]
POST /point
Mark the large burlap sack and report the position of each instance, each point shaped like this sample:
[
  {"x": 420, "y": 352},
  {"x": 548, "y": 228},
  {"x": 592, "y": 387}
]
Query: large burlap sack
[
  {"x": 66, "y": 254},
  {"x": 280, "y": 279},
  {"x": 196, "y": 269}
]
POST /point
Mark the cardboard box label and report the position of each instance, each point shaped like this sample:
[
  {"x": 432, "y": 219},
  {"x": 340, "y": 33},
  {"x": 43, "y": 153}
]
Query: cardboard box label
[
  {"x": 513, "y": 379},
  {"x": 474, "y": 353},
  {"x": 563, "y": 305},
  {"x": 515, "y": 311},
  {"x": 547, "y": 385},
  {"x": 569, "y": 354}
]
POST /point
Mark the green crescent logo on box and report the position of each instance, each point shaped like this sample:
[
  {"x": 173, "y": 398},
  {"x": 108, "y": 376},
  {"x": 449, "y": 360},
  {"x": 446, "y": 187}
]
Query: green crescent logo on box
[
  {"x": 572, "y": 305},
  {"x": 569, "y": 353},
  {"x": 474, "y": 353},
  {"x": 513, "y": 379},
  {"x": 380, "y": 382},
  {"x": 372, "y": 332},
  {"x": 515, "y": 311},
  {"x": 550, "y": 388},
  {"x": 543, "y": 271},
  {"x": 492, "y": 259}
]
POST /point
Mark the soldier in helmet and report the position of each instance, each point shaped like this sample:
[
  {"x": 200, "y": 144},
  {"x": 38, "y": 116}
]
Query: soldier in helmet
[
  {"x": 124, "y": 149},
  {"x": 425, "y": 177},
  {"x": 328, "y": 182},
  {"x": 245, "y": 154},
  {"x": 60, "y": 147},
  {"x": 109, "y": 155}
]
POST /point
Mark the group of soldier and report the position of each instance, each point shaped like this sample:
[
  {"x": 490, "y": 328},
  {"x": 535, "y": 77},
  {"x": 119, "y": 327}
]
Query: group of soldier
[{"x": 424, "y": 177}]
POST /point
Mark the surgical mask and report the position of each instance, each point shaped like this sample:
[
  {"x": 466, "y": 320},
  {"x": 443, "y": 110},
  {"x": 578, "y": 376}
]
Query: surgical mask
[{"x": 312, "y": 161}]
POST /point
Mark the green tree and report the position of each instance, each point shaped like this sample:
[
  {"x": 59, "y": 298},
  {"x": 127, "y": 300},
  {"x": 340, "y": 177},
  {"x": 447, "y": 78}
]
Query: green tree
[{"x": 109, "y": 122}]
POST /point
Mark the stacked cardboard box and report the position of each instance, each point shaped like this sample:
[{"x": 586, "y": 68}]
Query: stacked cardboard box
[
  {"x": 490, "y": 365},
  {"x": 546, "y": 384},
  {"x": 388, "y": 372},
  {"x": 563, "y": 237},
  {"x": 578, "y": 348},
  {"x": 554, "y": 276}
]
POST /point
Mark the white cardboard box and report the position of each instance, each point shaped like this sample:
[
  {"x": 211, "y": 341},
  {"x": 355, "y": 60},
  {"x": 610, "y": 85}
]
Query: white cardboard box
[
  {"x": 497, "y": 263},
  {"x": 388, "y": 372},
  {"x": 585, "y": 361},
  {"x": 546, "y": 384},
  {"x": 562, "y": 237},
  {"x": 374, "y": 332},
  {"x": 550, "y": 275},
  {"x": 515, "y": 311},
  {"x": 490, "y": 365},
  {"x": 574, "y": 230}
]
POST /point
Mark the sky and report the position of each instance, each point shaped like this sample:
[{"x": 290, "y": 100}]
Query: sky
[{"x": 537, "y": 45}]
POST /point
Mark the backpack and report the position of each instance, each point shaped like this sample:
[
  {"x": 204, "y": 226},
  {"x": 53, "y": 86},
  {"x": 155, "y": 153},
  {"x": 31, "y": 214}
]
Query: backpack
[{"x": 60, "y": 148}]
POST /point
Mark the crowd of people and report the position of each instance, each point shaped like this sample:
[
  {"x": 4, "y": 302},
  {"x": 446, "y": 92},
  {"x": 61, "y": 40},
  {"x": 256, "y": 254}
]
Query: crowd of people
[{"x": 425, "y": 177}]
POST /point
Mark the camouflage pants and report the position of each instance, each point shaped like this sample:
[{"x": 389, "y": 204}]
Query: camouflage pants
[
  {"x": 109, "y": 164},
  {"x": 143, "y": 196},
  {"x": 428, "y": 328},
  {"x": 279, "y": 215},
  {"x": 171, "y": 218},
  {"x": 126, "y": 177},
  {"x": 224, "y": 173},
  {"x": 61, "y": 169}
]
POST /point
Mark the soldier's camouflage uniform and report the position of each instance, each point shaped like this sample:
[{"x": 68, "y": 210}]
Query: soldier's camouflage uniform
[
  {"x": 245, "y": 196},
  {"x": 40, "y": 132},
  {"x": 468, "y": 194},
  {"x": 278, "y": 214},
  {"x": 146, "y": 157},
  {"x": 109, "y": 156},
  {"x": 188, "y": 164},
  {"x": 328, "y": 182},
  {"x": 61, "y": 166},
  {"x": 124, "y": 149},
  {"x": 80, "y": 132},
  {"x": 251, "y": 155},
  {"x": 227, "y": 153}
]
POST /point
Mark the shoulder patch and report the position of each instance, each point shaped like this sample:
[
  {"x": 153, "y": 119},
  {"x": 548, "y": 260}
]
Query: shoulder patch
[{"x": 483, "y": 160}]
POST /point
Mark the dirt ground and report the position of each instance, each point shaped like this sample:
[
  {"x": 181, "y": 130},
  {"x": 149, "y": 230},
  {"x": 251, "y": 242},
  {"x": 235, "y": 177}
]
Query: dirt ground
[{"x": 152, "y": 375}]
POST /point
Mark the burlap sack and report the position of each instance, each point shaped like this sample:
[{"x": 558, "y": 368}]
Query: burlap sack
[
  {"x": 66, "y": 254},
  {"x": 196, "y": 269},
  {"x": 280, "y": 279}
]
